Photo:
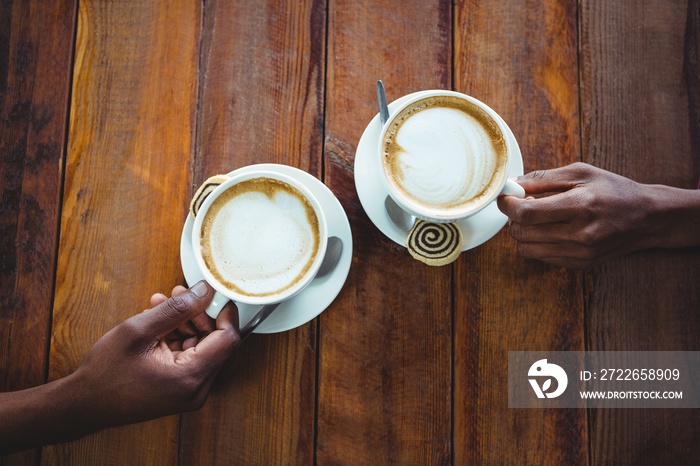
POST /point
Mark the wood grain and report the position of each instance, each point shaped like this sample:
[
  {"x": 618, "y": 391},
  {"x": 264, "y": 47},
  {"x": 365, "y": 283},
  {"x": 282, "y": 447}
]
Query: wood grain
[
  {"x": 408, "y": 366},
  {"x": 127, "y": 173},
  {"x": 385, "y": 345},
  {"x": 36, "y": 43},
  {"x": 34, "y": 115},
  {"x": 261, "y": 100},
  {"x": 261, "y": 85},
  {"x": 520, "y": 58},
  {"x": 639, "y": 93}
]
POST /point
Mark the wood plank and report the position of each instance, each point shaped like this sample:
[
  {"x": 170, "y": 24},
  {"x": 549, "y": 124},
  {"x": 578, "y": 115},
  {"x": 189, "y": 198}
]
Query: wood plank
[
  {"x": 520, "y": 58},
  {"x": 261, "y": 94},
  {"x": 385, "y": 364},
  {"x": 126, "y": 194},
  {"x": 649, "y": 300},
  {"x": 36, "y": 42}
]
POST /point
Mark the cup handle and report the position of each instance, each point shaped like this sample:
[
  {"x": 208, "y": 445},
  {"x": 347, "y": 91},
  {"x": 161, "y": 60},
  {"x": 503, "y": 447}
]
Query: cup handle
[
  {"x": 511, "y": 188},
  {"x": 217, "y": 304}
]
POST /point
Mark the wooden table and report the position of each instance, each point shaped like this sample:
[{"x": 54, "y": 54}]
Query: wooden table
[{"x": 113, "y": 112}]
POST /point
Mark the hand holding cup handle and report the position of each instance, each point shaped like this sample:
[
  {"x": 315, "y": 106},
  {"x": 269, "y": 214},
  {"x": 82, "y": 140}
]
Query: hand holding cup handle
[
  {"x": 512, "y": 188},
  {"x": 217, "y": 304}
]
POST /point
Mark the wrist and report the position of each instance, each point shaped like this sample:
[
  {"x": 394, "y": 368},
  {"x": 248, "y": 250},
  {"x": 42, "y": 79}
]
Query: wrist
[
  {"x": 75, "y": 412},
  {"x": 41, "y": 415},
  {"x": 66, "y": 409},
  {"x": 674, "y": 216}
]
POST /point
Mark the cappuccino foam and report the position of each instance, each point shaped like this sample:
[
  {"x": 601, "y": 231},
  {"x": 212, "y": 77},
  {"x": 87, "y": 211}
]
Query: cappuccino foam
[
  {"x": 444, "y": 153},
  {"x": 260, "y": 237}
]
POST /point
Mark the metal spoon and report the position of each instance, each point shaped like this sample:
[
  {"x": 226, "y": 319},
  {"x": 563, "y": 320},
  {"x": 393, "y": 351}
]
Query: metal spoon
[
  {"x": 402, "y": 219},
  {"x": 383, "y": 107},
  {"x": 330, "y": 260}
]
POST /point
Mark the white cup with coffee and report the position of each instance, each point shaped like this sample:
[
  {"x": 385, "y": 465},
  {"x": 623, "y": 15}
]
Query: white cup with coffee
[
  {"x": 258, "y": 238},
  {"x": 445, "y": 156}
]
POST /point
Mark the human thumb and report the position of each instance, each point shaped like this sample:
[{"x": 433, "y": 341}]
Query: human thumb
[{"x": 168, "y": 315}]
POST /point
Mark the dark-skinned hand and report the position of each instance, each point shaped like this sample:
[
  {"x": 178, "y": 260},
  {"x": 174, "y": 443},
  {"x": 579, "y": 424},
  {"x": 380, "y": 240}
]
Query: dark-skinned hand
[
  {"x": 161, "y": 361},
  {"x": 579, "y": 216}
]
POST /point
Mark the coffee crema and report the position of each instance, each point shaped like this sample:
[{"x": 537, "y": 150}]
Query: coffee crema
[
  {"x": 444, "y": 154},
  {"x": 260, "y": 237}
]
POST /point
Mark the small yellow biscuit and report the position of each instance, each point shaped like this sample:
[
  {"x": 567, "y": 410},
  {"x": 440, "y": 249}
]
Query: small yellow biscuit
[
  {"x": 204, "y": 190},
  {"x": 435, "y": 243}
]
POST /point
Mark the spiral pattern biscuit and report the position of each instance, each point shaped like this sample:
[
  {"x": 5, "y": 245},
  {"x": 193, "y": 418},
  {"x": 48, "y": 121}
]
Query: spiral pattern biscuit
[
  {"x": 435, "y": 243},
  {"x": 203, "y": 191}
]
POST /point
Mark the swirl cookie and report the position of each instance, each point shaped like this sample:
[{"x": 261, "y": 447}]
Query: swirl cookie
[
  {"x": 435, "y": 243},
  {"x": 204, "y": 190}
]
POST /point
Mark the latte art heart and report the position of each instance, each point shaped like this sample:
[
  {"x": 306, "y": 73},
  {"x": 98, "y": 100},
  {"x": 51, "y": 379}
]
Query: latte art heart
[{"x": 260, "y": 237}]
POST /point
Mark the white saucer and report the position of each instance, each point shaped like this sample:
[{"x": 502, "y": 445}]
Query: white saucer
[
  {"x": 476, "y": 229},
  {"x": 321, "y": 292}
]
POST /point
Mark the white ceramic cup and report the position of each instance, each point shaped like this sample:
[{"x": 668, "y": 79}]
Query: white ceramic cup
[
  {"x": 224, "y": 294},
  {"x": 502, "y": 185}
]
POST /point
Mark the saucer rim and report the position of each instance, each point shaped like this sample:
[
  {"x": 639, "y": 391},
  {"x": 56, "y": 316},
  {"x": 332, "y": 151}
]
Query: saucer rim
[
  {"x": 368, "y": 190},
  {"x": 322, "y": 290}
]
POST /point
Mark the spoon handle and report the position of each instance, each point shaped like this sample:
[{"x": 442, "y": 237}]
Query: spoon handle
[
  {"x": 383, "y": 107},
  {"x": 330, "y": 260},
  {"x": 257, "y": 319}
]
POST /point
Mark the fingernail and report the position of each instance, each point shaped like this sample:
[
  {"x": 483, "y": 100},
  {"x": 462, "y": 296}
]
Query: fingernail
[{"x": 200, "y": 290}]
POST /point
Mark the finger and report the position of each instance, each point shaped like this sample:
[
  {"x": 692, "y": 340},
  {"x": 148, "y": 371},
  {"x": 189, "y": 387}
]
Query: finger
[
  {"x": 228, "y": 316},
  {"x": 178, "y": 290},
  {"x": 539, "y": 251},
  {"x": 543, "y": 251},
  {"x": 186, "y": 329},
  {"x": 158, "y": 298},
  {"x": 215, "y": 348},
  {"x": 556, "y": 179},
  {"x": 173, "y": 344},
  {"x": 168, "y": 315},
  {"x": 190, "y": 342},
  {"x": 562, "y": 251},
  {"x": 530, "y": 211},
  {"x": 185, "y": 332},
  {"x": 188, "y": 333},
  {"x": 189, "y": 328},
  {"x": 544, "y": 232},
  {"x": 178, "y": 341},
  {"x": 203, "y": 324}
]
